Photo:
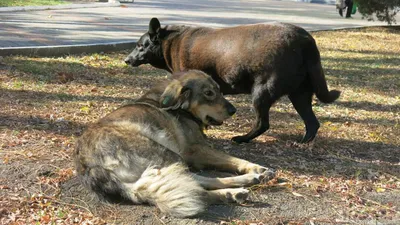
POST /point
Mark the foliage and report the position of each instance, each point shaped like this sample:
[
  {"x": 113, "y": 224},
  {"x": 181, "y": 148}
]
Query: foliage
[{"x": 383, "y": 10}]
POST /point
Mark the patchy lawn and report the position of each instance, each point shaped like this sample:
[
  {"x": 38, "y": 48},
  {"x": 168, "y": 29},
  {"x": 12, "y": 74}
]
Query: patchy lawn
[{"x": 350, "y": 175}]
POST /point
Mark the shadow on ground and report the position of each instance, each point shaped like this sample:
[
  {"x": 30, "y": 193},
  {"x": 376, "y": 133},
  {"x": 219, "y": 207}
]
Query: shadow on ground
[{"x": 344, "y": 152}]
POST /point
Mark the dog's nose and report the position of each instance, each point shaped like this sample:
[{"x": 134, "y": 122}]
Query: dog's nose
[
  {"x": 231, "y": 110},
  {"x": 128, "y": 61}
]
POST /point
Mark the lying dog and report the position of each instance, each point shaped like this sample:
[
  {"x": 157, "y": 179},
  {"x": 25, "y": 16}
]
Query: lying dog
[
  {"x": 142, "y": 151},
  {"x": 266, "y": 60}
]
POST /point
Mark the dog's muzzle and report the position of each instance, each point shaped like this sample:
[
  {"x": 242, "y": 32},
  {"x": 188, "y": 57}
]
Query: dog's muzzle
[
  {"x": 231, "y": 109},
  {"x": 128, "y": 60}
]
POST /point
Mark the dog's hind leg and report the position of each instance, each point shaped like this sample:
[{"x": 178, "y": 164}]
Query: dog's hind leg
[
  {"x": 262, "y": 102},
  {"x": 204, "y": 156},
  {"x": 228, "y": 195},
  {"x": 211, "y": 183},
  {"x": 172, "y": 189},
  {"x": 302, "y": 103}
]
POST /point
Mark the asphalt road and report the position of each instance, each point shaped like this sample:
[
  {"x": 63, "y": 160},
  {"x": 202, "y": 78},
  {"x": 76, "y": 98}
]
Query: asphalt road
[{"x": 127, "y": 22}]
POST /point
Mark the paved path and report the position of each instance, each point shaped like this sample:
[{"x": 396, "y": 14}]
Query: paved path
[{"x": 128, "y": 22}]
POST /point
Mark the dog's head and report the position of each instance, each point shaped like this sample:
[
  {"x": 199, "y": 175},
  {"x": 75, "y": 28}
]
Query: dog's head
[
  {"x": 148, "y": 47},
  {"x": 198, "y": 94}
]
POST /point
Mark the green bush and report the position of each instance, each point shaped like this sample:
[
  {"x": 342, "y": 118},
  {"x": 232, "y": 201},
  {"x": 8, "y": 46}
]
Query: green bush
[{"x": 382, "y": 10}]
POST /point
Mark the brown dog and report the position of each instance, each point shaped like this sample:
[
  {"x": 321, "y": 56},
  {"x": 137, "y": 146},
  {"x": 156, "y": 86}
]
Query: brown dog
[
  {"x": 142, "y": 151},
  {"x": 266, "y": 60}
]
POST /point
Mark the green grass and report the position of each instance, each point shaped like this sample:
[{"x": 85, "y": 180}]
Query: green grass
[{"x": 11, "y": 3}]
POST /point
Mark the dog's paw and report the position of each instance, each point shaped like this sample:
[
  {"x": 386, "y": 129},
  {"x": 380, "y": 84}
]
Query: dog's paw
[
  {"x": 254, "y": 168},
  {"x": 303, "y": 146},
  {"x": 250, "y": 179},
  {"x": 267, "y": 175},
  {"x": 257, "y": 178},
  {"x": 241, "y": 139},
  {"x": 237, "y": 195},
  {"x": 264, "y": 173}
]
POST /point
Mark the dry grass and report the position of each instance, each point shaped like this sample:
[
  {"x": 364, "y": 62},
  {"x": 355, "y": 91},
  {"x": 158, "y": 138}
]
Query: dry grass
[{"x": 352, "y": 170}]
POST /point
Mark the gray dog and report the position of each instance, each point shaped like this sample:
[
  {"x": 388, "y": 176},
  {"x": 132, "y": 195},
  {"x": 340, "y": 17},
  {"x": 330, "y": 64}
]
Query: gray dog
[{"x": 142, "y": 151}]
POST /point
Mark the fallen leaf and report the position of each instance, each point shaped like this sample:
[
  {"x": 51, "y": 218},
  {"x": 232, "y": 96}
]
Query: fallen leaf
[
  {"x": 285, "y": 184},
  {"x": 85, "y": 109},
  {"x": 297, "y": 194},
  {"x": 380, "y": 190},
  {"x": 65, "y": 77},
  {"x": 45, "y": 219}
]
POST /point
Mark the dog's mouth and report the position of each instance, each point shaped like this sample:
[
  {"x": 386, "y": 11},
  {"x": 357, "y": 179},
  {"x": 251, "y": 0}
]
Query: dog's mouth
[
  {"x": 135, "y": 64},
  {"x": 212, "y": 121}
]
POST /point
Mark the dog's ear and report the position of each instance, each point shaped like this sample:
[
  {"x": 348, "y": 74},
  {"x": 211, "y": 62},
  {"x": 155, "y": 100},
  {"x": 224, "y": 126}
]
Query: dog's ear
[
  {"x": 154, "y": 28},
  {"x": 175, "y": 96}
]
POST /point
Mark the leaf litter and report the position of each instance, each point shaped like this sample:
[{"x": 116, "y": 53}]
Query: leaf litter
[{"x": 352, "y": 169}]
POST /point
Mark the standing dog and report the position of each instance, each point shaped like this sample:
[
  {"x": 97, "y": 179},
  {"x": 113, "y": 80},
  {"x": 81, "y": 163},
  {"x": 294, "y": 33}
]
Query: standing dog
[
  {"x": 266, "y": 60},
  {"x": 142, "y": 151}
]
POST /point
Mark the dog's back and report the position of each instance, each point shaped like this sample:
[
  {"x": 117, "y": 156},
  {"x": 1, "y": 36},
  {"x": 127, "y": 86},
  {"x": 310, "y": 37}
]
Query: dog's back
[{"x": 237, "y": 55}]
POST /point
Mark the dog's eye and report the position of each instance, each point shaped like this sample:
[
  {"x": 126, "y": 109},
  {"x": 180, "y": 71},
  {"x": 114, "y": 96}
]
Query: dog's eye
[{"x": 209, "y": 93}]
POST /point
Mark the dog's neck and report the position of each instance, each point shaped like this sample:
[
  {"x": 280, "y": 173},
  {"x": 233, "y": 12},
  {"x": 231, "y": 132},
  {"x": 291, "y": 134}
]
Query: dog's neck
[
  {"x": 153, "y": 98},
  {"x": 181, "y": 112}
]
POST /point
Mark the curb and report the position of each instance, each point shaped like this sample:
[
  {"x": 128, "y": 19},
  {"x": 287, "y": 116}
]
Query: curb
[
  {"x": 59, "y": 7},
  {"x": 61, "y": 50}
]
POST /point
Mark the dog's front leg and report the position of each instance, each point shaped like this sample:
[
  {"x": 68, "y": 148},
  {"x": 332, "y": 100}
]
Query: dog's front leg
[
  {"x": 213, "y": 183},
  {"x": 204, "y": 156}
]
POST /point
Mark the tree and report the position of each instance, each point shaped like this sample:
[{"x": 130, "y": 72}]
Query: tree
[{"x": 383, "y": 10}]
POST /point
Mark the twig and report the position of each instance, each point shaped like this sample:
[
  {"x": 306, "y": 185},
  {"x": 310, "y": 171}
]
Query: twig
[
  {"x": 77, "y": 199},
  {"x": 158, "y": 218},
  {"x": 376, "y": 203},
  {"x": 347, "y": 221},
  {"x": 74, "y": 205}
]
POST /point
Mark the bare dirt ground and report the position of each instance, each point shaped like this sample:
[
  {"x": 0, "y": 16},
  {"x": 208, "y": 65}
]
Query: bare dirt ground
[{"x": 349, "y": 176}]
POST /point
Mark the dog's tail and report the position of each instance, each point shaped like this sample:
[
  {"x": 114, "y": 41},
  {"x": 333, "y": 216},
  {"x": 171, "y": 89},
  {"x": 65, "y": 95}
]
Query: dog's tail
[
  {"x": 317, "y": 76},
  {"x": 172, "y": 190}
]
